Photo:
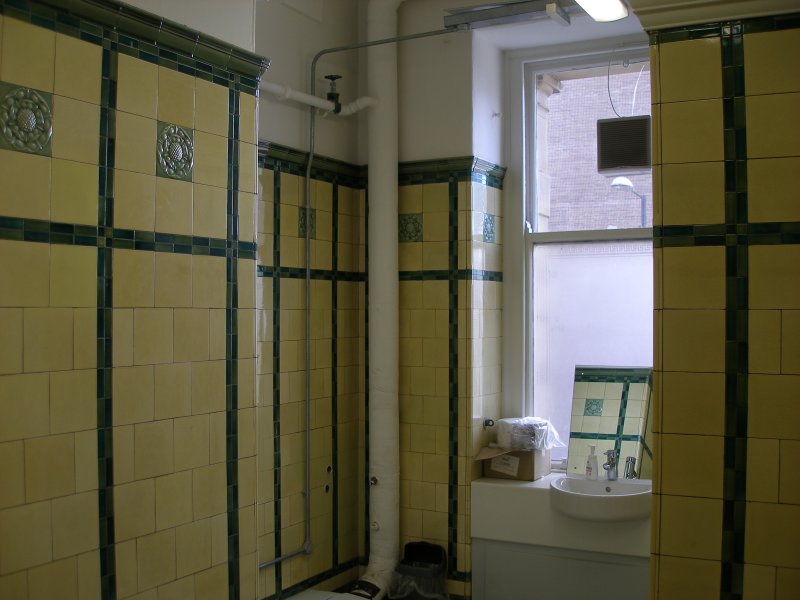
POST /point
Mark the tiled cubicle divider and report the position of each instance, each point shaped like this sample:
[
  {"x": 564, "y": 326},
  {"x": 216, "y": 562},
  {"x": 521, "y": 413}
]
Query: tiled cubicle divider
[
  {"x": 727, "y": 237},
  {"x": 450, "y": 281},
  {"x": 126, "y": 439}
]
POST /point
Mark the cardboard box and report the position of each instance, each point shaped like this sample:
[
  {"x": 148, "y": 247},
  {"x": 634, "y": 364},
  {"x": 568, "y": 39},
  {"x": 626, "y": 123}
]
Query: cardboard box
[{"x": 522, "y": 465}]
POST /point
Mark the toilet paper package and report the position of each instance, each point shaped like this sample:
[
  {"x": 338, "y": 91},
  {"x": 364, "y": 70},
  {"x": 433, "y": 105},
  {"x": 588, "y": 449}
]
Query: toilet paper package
[{"x": 527, "y": 433}]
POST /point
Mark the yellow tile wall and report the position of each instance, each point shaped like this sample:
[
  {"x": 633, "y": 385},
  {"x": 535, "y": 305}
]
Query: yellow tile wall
[
  {"x": 169, "y": 396},
  {"x": 689, "y": 424}
]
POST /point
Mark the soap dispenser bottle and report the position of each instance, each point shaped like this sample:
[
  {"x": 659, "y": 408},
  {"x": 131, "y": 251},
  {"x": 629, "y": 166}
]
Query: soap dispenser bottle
[{"x": 591, "y": 463}]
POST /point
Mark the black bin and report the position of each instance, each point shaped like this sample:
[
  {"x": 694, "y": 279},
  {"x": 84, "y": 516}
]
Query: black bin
[{"x": 421, "y": 575}]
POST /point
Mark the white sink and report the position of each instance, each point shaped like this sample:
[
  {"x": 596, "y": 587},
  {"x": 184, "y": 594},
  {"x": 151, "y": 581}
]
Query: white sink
[{"x": 621, "y": 500}]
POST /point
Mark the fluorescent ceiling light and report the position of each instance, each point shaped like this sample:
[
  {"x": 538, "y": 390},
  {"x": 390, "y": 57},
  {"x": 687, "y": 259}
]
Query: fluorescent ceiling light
[{"x": 604, "y": 10}]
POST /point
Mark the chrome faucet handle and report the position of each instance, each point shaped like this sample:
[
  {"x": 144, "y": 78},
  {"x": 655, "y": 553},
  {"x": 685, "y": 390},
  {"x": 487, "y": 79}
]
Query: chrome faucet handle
[
  {"x": 630, "y": 468},
  {"x": 611, "y": 456}
]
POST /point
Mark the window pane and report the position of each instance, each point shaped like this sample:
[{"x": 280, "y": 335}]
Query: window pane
[
  {"x": 592, "y": 305},
  {"x": 570, "y": 193}
]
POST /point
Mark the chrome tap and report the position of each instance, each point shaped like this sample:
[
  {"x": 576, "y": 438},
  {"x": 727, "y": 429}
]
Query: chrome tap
[
  {"x": 630, "y": 468},
  {"x": 611, "y": 464}
]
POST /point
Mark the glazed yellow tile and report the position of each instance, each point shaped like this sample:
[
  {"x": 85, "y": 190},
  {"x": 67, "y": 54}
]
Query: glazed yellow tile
[
  {"x": 123, "y": 454},
  {"x": 49, "y": 467},
  {"x": 135, "y": 148},
  {"x": 211, "y": 107},
  {"x": 178, "y": 589},
  {"x": 86, "y": 461},
  {"x": 153, "y": 454},
  {"x": 75, "y": 524},
  {"x": 27, "y": 265},
  {"x": 247, "y": 284},
  {"x": 134, "y": 278},
  {"x": 191, "y": 334},
  {"x": 11, "y": 350},
  {"x": 155, "y": 559},
  {"x": 789, "y": 484},
  {"x": 175, "y": 97},
  {"x": 693, "y": 193},
  {"x": 125, "y": 568},
  {"x": 434, "y": 255},
  {"x": 773, "y": 282},
  {"x": 25, "y": 176},
  {"x": 772, "y": 533},
  {"x": 73, "y": 276},
  {"x": 173, "y": 206},
  {"x": 694, "y": 340},
  {"x": 763, "y": 471},
  {"x": 771, "y": 129},
  {"x": 193, "y": 547},
  {"x": 132, "y": 394},
  {"x": 12, "y": 475},
  {"x": 701, "y": 475},
  {"x": 772, "y": 408},
  {"x": 173, "y": 499},
  {"x": 210, "y": 211},
  {"x": 23, "y": 406},
  {"x": 694, "y": 277},
  {"x": 208, "y": 386},
  {"x": 27, "y": 536},
  {"x": 134, "y": 200},
  {"x": 248, "y": 167},
  {"x": 173, "y": 388},
  {"x": 768, "y": 62},
  {"x": 759, "y": 582},
  {"x": 58, "y": 578},
  {"x": 790, "y": 342},
  {"x": 247, "y": 217},
  {"x": 137, "y": 86},
  {"x": 77, "y": 69},
  {"x": 771, "y": 192},
  {"x": 152, "y": 335},
  {"x": 435, "y": 197},
  {"x": 690, "y": 70},
  {"x": 47, "y": 339},
  {"x": 248, "y": 117},
  {"x": 122, "y": 337},
  {"x": 692, "y": 131},
  {"x": 73, "y": 401},
  {"x": 209, "y": 491},
  {"x": 764, "y": 341},
  {"x": 28, "y": 55},
  {"x": 76, "y": 130},
  {"x": 191, "y": 442},
  {"x": 173, "y": 285},
  {"x": 208, "y": 282},
  {"x": 84, "y": 353},
  {"x": 74, "y": 192},
  {"x": 691, "y": 527},
  {"x": 688, "y": 578},
  {"x": 787, "y": 582},
  {"x": 211, "y": 159},
  {"x": 89, "y": 574},
  {"x": 700, "y": 394}
]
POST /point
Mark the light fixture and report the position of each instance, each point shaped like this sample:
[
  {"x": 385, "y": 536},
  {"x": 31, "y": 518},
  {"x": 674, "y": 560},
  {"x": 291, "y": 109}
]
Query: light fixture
[
  {"x": 603, "y": 11},
  {"x": 623, "y": 183}
]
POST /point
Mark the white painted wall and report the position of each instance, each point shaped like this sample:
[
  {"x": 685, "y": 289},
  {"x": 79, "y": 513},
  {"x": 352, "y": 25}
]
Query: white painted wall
[
  {"x": 231, "y": 21},
  {"x": 487, "y": 99},
  {"x": 290, "y": 33}
]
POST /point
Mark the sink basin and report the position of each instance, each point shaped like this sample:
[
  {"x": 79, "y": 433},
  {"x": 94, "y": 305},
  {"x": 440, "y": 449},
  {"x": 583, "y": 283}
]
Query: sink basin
[{"x": 621, "y": 500}]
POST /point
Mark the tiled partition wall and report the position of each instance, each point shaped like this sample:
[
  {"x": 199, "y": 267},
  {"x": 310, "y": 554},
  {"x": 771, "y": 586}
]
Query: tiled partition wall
[
  {"x": 127, "y": 286},
  {"x": 727, "y": 233},
  {"x": 449, "y": 226},
  {"x": 450, "y": 282},
  {"x": 337, "y": 375}
]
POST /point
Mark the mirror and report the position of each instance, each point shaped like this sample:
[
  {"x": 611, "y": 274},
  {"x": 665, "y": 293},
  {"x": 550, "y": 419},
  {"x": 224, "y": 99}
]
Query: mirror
[{"x": 611, "y": 408}]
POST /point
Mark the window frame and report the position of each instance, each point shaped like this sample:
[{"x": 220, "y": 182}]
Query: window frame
[{"x": 521, "y": 69}]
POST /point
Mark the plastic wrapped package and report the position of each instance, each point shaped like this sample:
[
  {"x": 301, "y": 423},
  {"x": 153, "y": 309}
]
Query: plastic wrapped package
[
  {"x": 421, "y": 573},
  {"x": 527, "y": 433}
]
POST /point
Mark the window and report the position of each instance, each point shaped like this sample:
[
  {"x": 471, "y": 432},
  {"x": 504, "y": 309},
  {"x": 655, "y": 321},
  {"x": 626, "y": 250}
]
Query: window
[{"x": 590, "y": 274}]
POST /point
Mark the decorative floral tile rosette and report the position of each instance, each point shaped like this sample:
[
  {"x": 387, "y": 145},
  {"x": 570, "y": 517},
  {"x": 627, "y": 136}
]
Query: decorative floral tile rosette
[
  {"x": 175, "y": 152},
  {"x": 26, "y": 120}
]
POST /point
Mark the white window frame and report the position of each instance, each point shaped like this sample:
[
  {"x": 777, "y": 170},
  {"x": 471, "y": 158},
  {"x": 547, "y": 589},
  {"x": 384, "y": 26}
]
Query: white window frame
[{"x": 520, "y": 71}]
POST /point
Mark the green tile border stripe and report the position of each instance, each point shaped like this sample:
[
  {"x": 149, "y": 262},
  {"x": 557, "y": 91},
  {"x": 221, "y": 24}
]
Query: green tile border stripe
[
  {"x": 715, "y": 30},
  {"x": 232, "y": 347},
  {"x": 465, "y": 168},
  {"x": 731, "y": 234},
  {"x": 316, "y": 274},
  {"x": 105, "y": 316},
  {"x": 736, "y": 315},
  {"x": 74, "y": 234},
  {"x": 276, "y": 374},
  {"x": 77, "y": 17},
  {"x": 627, "y": 437},
  {"x": 443, "y": 275},
  {"x": 611, "y": 375},
  {"x": 452, "y": 377}
]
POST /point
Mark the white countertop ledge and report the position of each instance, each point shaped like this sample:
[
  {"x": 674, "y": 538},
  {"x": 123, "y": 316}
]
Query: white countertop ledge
[{"x": 520, "y": 512}]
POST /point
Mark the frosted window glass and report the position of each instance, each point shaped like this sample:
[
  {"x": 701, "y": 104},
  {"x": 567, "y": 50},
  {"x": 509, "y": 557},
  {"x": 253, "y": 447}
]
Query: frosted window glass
[{"x": 592, "y": 305}]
